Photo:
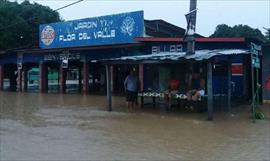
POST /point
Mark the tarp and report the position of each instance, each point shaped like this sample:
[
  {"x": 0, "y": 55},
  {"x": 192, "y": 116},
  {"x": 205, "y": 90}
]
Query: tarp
[{"x": 174, "y": 56}]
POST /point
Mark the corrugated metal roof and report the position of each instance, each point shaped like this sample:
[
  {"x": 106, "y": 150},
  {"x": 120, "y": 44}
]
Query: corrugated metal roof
[
  {"x": 197, "y": 39},
  {"x": 174, "y": 56}
]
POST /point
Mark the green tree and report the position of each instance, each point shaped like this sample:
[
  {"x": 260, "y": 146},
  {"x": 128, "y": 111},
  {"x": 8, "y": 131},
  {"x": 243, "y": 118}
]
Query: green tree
[
  {"x": 224, "y": 30},
  {"x": 267, "y": 34},
  {"x": 19, "y": 23}
]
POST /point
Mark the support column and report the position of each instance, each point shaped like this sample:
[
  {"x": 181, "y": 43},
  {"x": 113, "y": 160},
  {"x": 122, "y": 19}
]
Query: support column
[
  {"x": 93, "y": 80},
  {"x": 252, "y": 89},
  {"x": 141, "y": 74},
  {"x": 12, "y": 80},
  {"x": 43, "y": 78},
  {"x": 80, "y": 79},
  {"x": 19, "y": 80},
  {"x": 25, "y": 80},
  {"x": 245, "y": 83},
  {"x": 62, "y": 79},
  {"x": 85, "y": 78},
  {"x": 109, "y": 90},
  {"x": 1, "y": 77},
  {"x": 210, "y": 91},
  {"x": 229, "y": 84},
  {"x": 112, "y": 78}
]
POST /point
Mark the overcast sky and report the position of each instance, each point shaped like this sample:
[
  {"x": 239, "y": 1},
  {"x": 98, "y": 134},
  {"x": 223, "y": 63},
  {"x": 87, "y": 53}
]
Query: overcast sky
[{"x": 255, "y": 13}]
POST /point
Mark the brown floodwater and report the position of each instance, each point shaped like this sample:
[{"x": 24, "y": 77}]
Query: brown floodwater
[{"x": 77, "y": 127}]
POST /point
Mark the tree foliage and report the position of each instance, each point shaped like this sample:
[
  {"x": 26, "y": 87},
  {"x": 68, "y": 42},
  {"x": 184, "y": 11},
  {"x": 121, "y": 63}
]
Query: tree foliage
[
  {"x": 267, "y": 34},
  {"x": 19, "y": 23},
  {"x": 224, "y": 30}
]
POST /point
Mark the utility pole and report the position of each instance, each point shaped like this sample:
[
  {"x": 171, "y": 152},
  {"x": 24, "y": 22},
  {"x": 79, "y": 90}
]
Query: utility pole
[{"x": 191, "y": 25}]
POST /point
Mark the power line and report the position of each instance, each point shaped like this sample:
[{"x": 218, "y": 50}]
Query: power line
[
  {"x": 29, "y": 19},
  {"x": 68, "y": 5}
]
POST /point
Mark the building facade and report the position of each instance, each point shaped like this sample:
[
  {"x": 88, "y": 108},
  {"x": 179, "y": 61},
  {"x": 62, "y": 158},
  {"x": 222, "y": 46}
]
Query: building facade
[{"x": 68, "y": 60}]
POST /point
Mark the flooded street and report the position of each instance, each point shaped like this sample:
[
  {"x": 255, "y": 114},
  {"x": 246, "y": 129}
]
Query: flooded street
[{"x": 77, "y": 127}]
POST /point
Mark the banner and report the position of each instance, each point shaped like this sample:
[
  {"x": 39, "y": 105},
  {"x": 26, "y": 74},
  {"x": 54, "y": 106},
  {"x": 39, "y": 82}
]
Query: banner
[
  {"x": 237, "y": 69},
  {"x": 191, "y": 22}
]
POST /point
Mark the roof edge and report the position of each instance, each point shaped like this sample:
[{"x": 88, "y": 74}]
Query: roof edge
[{"x": 180, "y": 39}]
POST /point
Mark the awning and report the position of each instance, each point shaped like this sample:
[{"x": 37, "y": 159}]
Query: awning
[{"x": 174, "y": 56}]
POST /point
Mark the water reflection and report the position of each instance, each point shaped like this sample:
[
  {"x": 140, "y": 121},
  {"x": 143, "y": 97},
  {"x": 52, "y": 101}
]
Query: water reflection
[{"x": 76, "y": 127}]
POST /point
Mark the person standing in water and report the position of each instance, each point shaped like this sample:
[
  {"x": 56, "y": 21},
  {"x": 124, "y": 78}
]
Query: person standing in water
[{"x": 131, "y": 86}]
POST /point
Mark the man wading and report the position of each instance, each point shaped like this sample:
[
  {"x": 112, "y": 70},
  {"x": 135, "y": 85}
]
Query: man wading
[{"x": 131, "y": 86}]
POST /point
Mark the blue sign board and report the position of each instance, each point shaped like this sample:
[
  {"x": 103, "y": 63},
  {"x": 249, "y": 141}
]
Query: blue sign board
[
  {"x": 8, "y": 58},
  {"x": 105, "y": 30},
  {"x": 62, "y": 56}
]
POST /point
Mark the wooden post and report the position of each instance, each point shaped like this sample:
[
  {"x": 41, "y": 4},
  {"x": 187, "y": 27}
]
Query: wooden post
[
  {"x": 252, "y": 89},
  {"x": 229, "y": 84},
  {"x": 210, "y": 91},
  {"x": 62, "y": 79},
  {"x": 19, "y": 80},
  {"x": 43, "y": 82},
  {"x": 257, "y": 83},
  {"x": 112, "y": 78},
  {"x": 109, "y": 91},
  {"x": 93, "y": 80},
  {"x": 85, "y": 78},
  {"x": 80, "y": 80},
  {"x": 141, "y": 74},
  {"x": 1, "y": 77},
  {"x": 19, "y": 71},
  {"x": 25, "y": 80},
  {"x": 245, "y": 84}
]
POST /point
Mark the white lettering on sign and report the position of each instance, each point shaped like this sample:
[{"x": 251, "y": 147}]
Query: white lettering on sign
[
  {"x": 113, "y": 33},
  {"x": 172, "y": 48},
  {"x": 62, "y": 56},
  {"x": 68, "y": 37},
  {"x": 86, "y": 25},
  {"x": 84, "y": 36},
  {"x": 167, "y": 48},
  {"x": 87, "y": 36},
  {"x": 106, "y": 23},
  {"x": 179, "y": 48},
  {"x": 104, "y": 34},
  {"x": 155, "y": 49}
]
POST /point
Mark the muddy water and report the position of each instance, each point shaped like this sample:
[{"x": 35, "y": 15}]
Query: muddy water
[{"x": 76, "y": 127}]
